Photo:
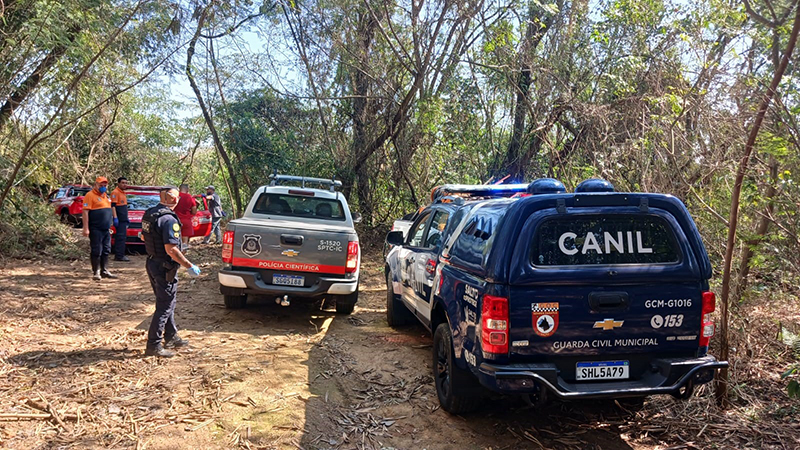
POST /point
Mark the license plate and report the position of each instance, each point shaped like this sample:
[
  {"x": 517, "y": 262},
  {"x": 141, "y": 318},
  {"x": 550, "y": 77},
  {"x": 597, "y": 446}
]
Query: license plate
[
  {"x": 288, "y": 280},
  {"x": 602, "y": 370}
]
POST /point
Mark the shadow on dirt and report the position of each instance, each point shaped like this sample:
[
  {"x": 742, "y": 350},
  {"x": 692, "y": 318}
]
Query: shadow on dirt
[
  {"x": 260, "y": 317},
  {"x": 78, "y": 358}
]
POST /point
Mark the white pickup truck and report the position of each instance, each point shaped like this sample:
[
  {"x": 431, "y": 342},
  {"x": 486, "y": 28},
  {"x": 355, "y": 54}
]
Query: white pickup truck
[{"x": 293, "y": 242}]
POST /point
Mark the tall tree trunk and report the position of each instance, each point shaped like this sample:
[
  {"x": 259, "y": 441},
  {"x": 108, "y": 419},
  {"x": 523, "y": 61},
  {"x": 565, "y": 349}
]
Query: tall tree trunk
[
  {"x": 206, "y": 115},
  {"x": 722, "y": 385},
  {"x": 364, "y": 37},
  {"x": 515, "y": 163}
]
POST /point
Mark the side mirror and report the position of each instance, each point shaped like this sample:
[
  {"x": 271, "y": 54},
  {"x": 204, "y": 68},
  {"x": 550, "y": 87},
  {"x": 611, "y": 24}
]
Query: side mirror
[
  {"x": 357, "y": 217},
  {"x": 395, "y": 238}
]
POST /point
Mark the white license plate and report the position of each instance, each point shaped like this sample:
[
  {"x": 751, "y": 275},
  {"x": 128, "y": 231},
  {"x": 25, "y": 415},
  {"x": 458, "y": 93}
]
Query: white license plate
[
  {"x": 602, "y": 370},
  {"x": 288, "y": 280}
]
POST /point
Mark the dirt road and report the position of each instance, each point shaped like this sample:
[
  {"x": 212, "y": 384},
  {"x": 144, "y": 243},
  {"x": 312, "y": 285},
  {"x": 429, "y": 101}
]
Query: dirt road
[{"x": 73, "y": 375}]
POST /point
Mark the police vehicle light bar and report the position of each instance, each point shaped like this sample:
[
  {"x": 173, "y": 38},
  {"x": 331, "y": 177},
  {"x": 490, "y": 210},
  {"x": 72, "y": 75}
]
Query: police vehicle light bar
[{"x": 476, "y": 190}]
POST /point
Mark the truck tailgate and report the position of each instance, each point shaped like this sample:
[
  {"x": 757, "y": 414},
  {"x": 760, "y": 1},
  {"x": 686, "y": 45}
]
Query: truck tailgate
[
  {"x": 284, "y": 247},
  {"x": 591, "y": 320}
]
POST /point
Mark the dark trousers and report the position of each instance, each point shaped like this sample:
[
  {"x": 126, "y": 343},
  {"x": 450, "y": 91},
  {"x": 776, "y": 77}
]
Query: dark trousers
[
  {"x": 119, "y": 239},
  {"x": 165, "y": 286},
  {"x": 99, "y": 242},
  {"x": 214, "y": 230}
]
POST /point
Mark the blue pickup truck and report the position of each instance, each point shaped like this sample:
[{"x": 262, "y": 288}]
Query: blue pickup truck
[{"x": 591, "y": 294}]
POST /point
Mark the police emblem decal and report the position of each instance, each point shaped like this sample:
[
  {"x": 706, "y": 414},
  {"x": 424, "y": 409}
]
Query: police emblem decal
[
  {"x": 545, "y": 318},
  {"x": 176, "y": 227},
  {"x": 251, "y": 246}
]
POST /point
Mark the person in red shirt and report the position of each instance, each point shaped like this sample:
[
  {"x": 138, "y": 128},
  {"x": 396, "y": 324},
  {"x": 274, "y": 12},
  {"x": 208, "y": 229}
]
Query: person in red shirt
[{"x": 186, "y": 209}]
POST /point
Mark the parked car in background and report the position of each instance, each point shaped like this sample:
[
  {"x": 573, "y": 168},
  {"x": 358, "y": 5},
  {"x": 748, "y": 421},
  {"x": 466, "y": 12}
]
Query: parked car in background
[
  {"x": 141, "y": 198},
  {"x": 67, "y": 202}
]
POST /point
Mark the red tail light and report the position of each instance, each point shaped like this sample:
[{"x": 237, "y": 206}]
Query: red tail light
[
  {"x": 227, "y": 247},
  {"x": 494, "y": 324},
  {"x": 352, "y": 257},
  {"x": 707, "y": 326}
]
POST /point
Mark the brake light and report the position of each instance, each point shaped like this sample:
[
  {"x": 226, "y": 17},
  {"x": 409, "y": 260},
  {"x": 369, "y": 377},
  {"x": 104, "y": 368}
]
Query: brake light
[
  {"x": 304, "y": 193},
  {"x": 352, "y": 257},
  {"x": 227, "y": 247},
  {"x": 707, "y": 326},
  {"x": 494, "y": 324}
]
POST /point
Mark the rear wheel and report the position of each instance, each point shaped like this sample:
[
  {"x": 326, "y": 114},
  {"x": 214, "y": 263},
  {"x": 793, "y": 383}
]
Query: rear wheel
[
  {"x": 345, "y": 304},
  {"x": 235, "y": 301},
  {"x": 396, "y": 312},
  {"x": 458, "y": 391}
]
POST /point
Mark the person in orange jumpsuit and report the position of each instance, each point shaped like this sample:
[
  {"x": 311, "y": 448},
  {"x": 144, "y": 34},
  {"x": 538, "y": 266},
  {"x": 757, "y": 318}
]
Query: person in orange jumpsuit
[{"x": 97, "y": 221}]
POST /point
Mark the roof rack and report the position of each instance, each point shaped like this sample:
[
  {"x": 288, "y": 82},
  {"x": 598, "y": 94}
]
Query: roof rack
[
  {"x": 476, "y": 190},
  {"x": 279, "y": 180}
]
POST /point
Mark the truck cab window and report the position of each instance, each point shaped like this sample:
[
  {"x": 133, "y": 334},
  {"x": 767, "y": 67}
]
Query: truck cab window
[
  {"x": 418, "y": 231},
  {"x": 438, "y": 224}
]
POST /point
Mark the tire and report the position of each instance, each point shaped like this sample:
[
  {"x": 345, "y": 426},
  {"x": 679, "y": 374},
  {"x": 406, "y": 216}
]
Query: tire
[
  {"x": 397, "y": 314},
  {"x": 235, "y": 301},
  {"x": 65, "y": 218},
  {"x": 345, "y": 304},
  {"x": 457, "y": 389}
]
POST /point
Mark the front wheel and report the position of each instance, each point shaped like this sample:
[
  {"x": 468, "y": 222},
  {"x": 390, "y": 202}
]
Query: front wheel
[
  {"x": 457, "y": 389},
  {"x": 235, "y": 301},
  {"x": 397, "y": 314}
]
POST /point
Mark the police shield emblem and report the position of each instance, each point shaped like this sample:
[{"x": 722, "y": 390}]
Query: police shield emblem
[
  {"x": 251, "y": 246},
  {"x": 545, "y": 318}
]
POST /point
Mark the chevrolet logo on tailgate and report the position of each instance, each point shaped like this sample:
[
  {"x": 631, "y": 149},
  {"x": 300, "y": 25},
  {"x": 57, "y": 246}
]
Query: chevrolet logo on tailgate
[
  {"x": 608, "y": 324},
  {"x": 290, "y": 253}
]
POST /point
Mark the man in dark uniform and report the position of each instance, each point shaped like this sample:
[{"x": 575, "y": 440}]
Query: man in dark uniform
[
  {"x": 97, "y": 220},
  {"x": 161, "y": 232},
  {"x": 119, "y": 206}
]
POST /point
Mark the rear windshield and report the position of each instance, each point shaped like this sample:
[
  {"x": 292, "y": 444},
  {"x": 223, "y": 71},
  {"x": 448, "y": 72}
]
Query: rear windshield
[
  {"x": 142, "y": 202},
  {"x": 299, "y": 206},
  {"x": 617, "y": 239}
]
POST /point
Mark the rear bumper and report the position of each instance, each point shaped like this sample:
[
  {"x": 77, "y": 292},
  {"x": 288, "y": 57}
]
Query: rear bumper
[
  {"x": 669, "y": 376},
  {"x": 240, "y": 282}
]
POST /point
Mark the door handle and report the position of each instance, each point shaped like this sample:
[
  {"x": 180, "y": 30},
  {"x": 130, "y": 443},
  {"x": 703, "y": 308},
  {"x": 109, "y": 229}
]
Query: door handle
[
  {"x": 602, "y": 301},
  {"x": 291, "y": 239}
]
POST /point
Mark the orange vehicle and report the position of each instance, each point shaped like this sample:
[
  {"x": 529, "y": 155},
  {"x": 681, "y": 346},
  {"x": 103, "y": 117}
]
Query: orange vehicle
[
  {"x": 67, "y": 202},
  {"x": 141, "y": 198}
]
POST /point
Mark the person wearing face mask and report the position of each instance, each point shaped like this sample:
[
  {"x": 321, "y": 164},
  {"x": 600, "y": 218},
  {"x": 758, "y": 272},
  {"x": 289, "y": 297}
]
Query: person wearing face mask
[
  {"x": 97, "y": 220},
  {"x": 161, "y": 232}
]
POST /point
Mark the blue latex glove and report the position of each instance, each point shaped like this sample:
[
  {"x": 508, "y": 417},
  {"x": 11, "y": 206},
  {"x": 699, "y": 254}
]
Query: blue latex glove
[
  {"x": 194, "y": 271},
  {"x": 116, "y": 222}
]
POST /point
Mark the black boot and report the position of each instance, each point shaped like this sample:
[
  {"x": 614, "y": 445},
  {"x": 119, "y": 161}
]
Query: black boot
[
  {"x": 159, "y": 351},
  {"x": 96, "y": 268},
  {"x": 175, "y": 342},
  {"x": 104, "y": 268}
]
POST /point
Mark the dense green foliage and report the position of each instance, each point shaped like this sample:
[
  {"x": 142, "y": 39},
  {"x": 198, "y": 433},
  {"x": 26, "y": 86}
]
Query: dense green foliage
[{"x": 395, "y": 97}]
